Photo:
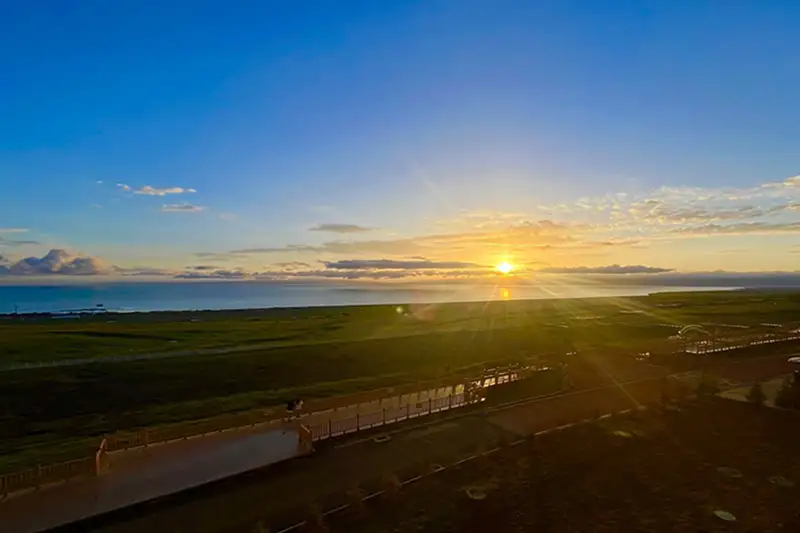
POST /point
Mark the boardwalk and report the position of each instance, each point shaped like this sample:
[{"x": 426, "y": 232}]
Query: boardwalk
[{"x": 144, "y": 475}]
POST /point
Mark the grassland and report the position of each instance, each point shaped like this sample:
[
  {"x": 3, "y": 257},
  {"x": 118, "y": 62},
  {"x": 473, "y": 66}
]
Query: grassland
[
  {"x": 111, "y": 335},
  {"x": 212, "y": 363}
]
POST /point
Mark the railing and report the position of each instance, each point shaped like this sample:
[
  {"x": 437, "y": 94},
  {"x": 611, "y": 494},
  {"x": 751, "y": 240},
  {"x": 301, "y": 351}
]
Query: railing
[
  {"x": 152, "y": 436},
  {"x": 700, "y": 349},
  {"x": 334, "y": 428},
  {"x": 40, "y": 476},
  {"x": 159, "y": 435}
]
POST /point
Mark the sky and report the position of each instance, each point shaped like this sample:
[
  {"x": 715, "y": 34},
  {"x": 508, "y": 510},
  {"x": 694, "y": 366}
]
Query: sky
[{"x": 397, "y": 140}]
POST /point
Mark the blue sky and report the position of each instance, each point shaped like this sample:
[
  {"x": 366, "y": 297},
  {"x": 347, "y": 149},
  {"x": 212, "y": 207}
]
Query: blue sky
[{"x": 145, "y": 133}]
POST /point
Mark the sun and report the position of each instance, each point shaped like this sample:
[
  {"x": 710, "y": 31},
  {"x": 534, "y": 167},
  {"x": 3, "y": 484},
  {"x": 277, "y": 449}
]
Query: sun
[{"x": 505, "y": 268}]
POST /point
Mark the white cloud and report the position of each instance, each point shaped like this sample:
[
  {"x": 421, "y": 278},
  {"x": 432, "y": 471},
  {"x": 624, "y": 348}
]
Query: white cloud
[
  {"x": 58, "y": 262},
  {"x": 739, "y": 229},
  {"x": 149, "y": 190},
  {"x": 181, "y": 208}
]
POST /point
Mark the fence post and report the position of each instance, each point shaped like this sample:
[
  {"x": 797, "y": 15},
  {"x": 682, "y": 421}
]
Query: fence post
[
  {"x": 358, "y": 422},
  {"x": 146, "y": 438},
  {"x": 429, "y": 406},
  {"x": 408, "y": 412},
  {"x": 38, "y": 476},
  {"x": 384, "y": 416},
  {"x": 450, "y": 401},
  {"x": 330, "y": 427}
]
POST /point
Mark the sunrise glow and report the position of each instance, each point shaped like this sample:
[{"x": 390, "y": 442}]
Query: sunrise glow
[{"x": 505, "y": 268}]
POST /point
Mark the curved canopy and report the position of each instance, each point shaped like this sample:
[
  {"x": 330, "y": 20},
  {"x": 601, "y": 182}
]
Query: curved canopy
[{"x": 694, "y": 328}]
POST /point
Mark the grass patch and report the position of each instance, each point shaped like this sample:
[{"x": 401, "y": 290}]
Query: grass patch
[{"x": 306, "y": 353}]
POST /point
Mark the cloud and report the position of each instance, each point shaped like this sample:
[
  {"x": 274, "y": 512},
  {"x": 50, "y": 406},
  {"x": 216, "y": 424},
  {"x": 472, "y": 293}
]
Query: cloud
[
  {"x": 59, "y": 262},
  {"x": 522, "y": 237},
  {"x": 13, "y": 230},
  {"x": 610, "y": 269},
  {"x": 201, "y": 267},
  {"x": 267, "y": 250},
  {"x": 292, "y": 264},
  {"x": 181, "y": 208},
  {"x": 217, "y": 274},
  {"x": 340, "y": 228},
  {"x": 388, "y": 264},
  {"x": 596, "y": 230},
  {"x": 218, "y": 256},
  {"x": 683, "y": 215},
  {"x": 740, "y": 229},
  {"x": 616, "y": 241},
  {"x": 146, "y": 271},
  {"x": 228, "y": 217},
  {"x": 148, "y": 190},
  {"x": 16, "y": 242},
  {"x": 324, "y": 274}
]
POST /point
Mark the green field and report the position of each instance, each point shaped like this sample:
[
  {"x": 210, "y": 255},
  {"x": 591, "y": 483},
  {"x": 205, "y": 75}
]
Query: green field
[{"x": 265, "y": 357}]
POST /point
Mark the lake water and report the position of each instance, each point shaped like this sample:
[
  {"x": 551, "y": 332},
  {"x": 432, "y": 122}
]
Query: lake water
[{"x": 252, "y": 295}]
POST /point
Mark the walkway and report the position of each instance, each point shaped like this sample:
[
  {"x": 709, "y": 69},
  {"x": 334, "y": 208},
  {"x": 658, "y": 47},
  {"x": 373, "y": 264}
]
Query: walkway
[{"x": 146, "y": 474}]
